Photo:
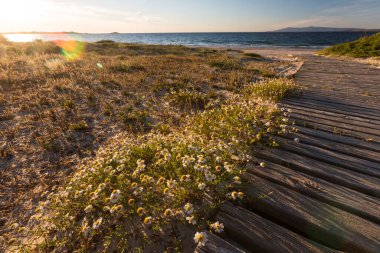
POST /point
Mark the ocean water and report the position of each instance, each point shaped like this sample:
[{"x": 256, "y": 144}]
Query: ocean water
[{"x": 315, "y": 40}]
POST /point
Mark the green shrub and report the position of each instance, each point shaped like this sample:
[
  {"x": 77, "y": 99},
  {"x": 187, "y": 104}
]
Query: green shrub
[
  {"x": 225, "y": 63},
  {"x": 188, "y": 99},
  {"x": 253, "y": 55},
  {"x": 273, "y": 89},
  {"x": 362, "y": 48}
]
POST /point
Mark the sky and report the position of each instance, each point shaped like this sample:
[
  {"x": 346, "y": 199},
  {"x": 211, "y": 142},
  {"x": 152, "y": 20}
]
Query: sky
[{"x": 141, "y": 16}]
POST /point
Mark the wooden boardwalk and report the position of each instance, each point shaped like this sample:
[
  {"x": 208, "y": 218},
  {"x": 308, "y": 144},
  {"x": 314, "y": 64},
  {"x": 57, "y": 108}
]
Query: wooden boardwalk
[{"x": 320, "y": 190}]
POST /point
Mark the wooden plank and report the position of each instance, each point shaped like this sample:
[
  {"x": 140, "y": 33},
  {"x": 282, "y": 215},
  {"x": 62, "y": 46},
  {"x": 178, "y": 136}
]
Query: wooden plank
[
  {"x": 330, "y": 108},
  {"x": 351, "y": 100},
  {"x": 335, "y": 146},
  {"x": 337, "y": 131},
  {"x": 352, "y": 126},
  {"x": 350, "y": 179},
  {"x": 375, "y": 147},
  {"x": 320, "y": 222},
  {"x": 260, "y": 235},
  {"x": 333, "y": 158},
  {"x": 215, "y": 244},
  {"x": 346, "y": 199},
  {"x": 309, "y": 110}
]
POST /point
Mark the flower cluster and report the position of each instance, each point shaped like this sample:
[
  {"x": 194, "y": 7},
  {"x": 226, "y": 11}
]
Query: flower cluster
[{"x": 143, "y": 183}]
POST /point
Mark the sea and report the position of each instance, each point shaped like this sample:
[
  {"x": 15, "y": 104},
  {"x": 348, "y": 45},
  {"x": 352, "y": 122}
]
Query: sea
[{"x": 308, "y": 40}]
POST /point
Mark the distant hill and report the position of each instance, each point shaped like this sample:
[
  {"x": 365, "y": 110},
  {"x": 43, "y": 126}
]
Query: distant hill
[{"x": 324, "y": 29}]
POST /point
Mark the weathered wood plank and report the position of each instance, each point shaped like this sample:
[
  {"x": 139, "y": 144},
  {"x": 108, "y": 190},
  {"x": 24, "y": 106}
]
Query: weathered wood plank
[
  {"x": 215, "y": 244},
  {"x": 333, "y": 158},
  {"x": 375, "y": 147},
  {"x": 334, "y": 117},
  {"x": 335, "y": 146},
  {"x": 312, "y": 111},
  {"x": 261, "y": 235},
  {"x": 345, "y": 109},
  {"x": 337, "y": 123},
  {"x": 346, "y": 199},
  {"x": 337, "y": 130},
  {"x": 318, "y": 221},
  {"x": 347, "y": 178},
  {"x": 330, "y": 108}
]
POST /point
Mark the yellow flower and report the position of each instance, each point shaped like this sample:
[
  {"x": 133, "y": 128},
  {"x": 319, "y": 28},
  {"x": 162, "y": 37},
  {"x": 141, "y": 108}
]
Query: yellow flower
[
  {"x": 263, "y": 164},
  {"x": 14, "y": 225},
  {"x": 21, "y": 230},
  {"x": 234, "y": 195},
  {"x": 89, "y": 209},
  {"x": 240, "y": 195},
  {"x": 131, "y": 202},
  {"x": 140, "y": 211},
  {"x": 148, "y": 220},
  {"x": 166, "y": 190},
  {"x": 168, "y": 212},
  {"x": 161, "y": 180}
]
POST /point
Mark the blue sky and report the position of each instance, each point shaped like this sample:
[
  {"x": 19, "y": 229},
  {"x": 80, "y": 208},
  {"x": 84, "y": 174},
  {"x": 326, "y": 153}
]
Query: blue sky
[{"x": 184, "y": 16}]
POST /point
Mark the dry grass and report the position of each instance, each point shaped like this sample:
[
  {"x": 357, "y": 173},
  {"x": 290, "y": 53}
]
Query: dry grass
[{"x": 54, "y": 112}]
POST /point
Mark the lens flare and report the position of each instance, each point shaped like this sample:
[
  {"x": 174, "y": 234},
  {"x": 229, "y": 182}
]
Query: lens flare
[{"x": 71, "y": 48}]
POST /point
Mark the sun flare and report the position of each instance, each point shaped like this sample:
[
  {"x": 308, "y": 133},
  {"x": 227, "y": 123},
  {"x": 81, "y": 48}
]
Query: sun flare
[{"x": 21, "y": 11}]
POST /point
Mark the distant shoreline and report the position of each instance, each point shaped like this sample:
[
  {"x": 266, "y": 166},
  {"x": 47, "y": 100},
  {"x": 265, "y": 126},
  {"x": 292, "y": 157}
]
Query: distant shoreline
[{"x": 263, "y": 40}]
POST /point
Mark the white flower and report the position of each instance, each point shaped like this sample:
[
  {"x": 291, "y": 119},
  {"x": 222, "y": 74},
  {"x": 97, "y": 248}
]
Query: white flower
[
  {"x": 97, "y": 223},
  {"x": 189, "y": 208},
  {"x": 237, "y": 180},
  {"x": 200, "y": 238},
  {"x": 198, "y": 167},
  {"x": 186, "y": 161},
  {"x": 209, "y": 176},
  {"x": 217, "y": 227},
  {"x": 228, "y": 167},
  {"x": 115, "y": 195},
  {"x": 201, "y": 159},
  {"x": 263, "y": 164},
  {"x": 171, "y": 183},
  {"x": 297, "y": 140},
  {"x": 191, "y": 220},
  {"x": 140, "y": 165},
  {"x": 201, "y": 186},
  {"x": 218, "y": 159},
  {"x": 89, "y": 209}
]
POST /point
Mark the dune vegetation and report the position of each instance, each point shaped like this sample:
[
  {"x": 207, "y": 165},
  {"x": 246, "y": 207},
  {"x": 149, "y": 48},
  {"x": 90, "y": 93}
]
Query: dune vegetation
[
  {"x": 362, "y": 48},
  {"x": 111, "y": 146}
]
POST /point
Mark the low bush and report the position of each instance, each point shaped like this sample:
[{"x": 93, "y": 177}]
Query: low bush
[{"x": 365, "y": 47}]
